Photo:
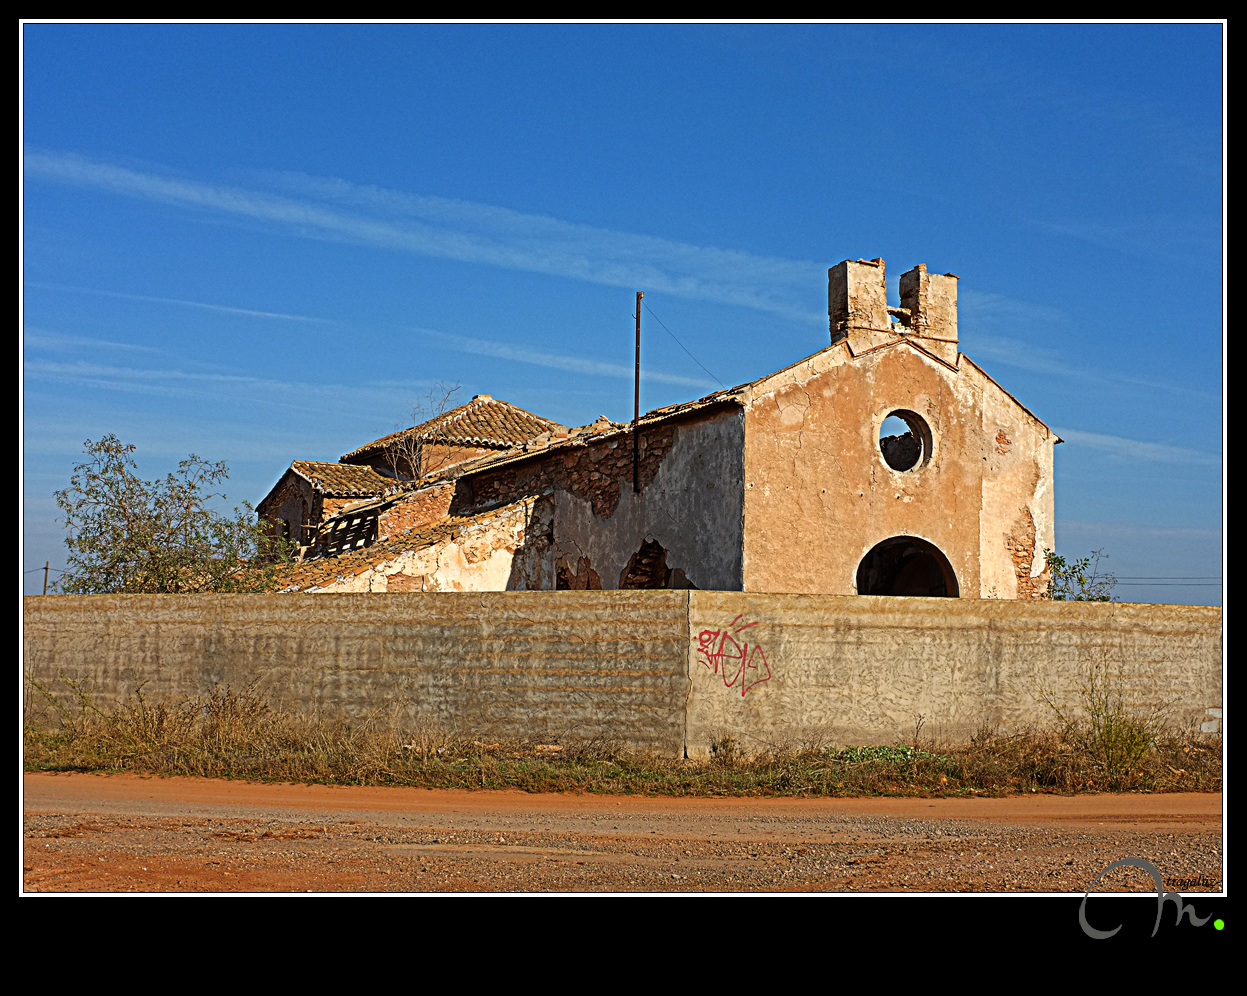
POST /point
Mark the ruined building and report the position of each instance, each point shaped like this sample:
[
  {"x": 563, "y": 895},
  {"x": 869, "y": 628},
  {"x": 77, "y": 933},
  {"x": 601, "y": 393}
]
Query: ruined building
[{"x": 783, "y": 484}]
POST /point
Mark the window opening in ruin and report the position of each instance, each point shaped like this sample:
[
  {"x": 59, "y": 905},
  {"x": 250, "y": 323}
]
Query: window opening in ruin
[
  {"x": 905, "y": 440},
  {"x": 906, "y": 565}
]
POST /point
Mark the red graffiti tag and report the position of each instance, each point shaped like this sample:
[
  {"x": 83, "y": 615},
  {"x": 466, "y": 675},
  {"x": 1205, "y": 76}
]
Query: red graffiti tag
[{"x": 738, "y": 662}]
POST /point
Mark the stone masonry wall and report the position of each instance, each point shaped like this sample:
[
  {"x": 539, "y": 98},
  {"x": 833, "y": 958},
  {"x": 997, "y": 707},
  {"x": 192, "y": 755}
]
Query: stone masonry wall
[{"x": 593, "y": 472}]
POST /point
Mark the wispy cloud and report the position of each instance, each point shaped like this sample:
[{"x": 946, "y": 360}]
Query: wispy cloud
[
  {"x": 1129, "y": 530},
  {"x": 503, "y": 351},
  {"x": 470, "y": 232},
  {"x": 56, "y": 342},
  {"x": 1135, "y": 449},
  {"x": 219, "y": 387},
  {"x": 1162, "y": 237},
  {"x": 1023, "y": 355},
  {"x": 172, "y": 300},
  {"x": 988, "y": 307}
]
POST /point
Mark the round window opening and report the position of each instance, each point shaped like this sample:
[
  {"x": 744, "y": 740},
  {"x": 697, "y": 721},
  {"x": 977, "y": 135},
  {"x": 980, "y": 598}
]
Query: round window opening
[{"x": 905, "y": 440}]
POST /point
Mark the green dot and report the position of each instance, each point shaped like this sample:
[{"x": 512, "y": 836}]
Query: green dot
[{"x": 1219, "y": 924}]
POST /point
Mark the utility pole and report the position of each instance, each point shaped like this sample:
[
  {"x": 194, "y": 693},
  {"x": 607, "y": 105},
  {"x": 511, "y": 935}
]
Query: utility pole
[
  {"x": 636, "y": 404},
  {"x": 46, "y": 565}
]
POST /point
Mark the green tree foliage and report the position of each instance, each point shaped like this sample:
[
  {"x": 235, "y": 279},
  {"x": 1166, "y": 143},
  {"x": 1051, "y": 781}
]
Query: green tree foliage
[
  {"x": 1080, "y": 580},
  {"x": 128, "y": 535}
]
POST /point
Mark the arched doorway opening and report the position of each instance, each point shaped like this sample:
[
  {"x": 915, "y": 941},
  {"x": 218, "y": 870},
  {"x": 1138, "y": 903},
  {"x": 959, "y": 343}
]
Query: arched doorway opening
[{"x": 906, "y": 565}]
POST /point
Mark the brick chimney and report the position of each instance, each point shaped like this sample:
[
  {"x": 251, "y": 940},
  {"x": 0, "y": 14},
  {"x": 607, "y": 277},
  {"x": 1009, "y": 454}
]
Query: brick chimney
[{"x": 857, "y": 302}]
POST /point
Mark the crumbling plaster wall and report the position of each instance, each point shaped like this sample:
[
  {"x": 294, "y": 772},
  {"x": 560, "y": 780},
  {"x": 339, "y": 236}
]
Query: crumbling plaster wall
[
  {"x": 1016, "y": 518},
  {"x": 819, "y": 495},
  {"x": 692, "y": 507},
  {"x": 508, "y": 549},
  {"x": 690, "y": 501}
]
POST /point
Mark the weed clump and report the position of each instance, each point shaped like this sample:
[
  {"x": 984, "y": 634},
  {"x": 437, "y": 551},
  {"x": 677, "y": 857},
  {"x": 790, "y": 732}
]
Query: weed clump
[
  {"x": 1116, "y": 739},
  {"x": 885, "y": 754}
]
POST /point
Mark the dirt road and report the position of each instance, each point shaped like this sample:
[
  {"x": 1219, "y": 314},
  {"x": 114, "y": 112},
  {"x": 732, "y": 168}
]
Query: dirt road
[{"x": 88, "y": 833}]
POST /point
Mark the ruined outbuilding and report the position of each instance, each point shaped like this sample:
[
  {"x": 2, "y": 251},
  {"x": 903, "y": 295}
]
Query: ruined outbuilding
[{"x": 789, "y": 483}]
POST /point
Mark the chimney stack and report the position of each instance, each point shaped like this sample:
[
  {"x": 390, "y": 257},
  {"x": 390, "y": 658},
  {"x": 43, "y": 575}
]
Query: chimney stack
[
  {"x": 931, "y": 300},
  {"x": 857, "y": 306},
  {"x": 857, "y": 302}
]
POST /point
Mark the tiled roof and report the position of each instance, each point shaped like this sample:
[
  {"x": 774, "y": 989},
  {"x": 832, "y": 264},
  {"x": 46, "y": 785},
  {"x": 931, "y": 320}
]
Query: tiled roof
[
  {"x": 483, "y": 422},
  {"x": 342, "y": 480},
  {"x": 600, "y": 430}
]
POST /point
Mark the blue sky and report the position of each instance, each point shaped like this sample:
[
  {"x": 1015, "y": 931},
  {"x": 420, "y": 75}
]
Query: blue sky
[{"x": 266, "y": 242}]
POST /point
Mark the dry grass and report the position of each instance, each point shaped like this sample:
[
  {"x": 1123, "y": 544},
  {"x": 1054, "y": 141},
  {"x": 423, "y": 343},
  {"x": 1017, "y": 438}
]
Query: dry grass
[{"x": 237, "y": 735}]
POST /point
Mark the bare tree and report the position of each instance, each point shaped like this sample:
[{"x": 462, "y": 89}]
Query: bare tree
[{"x": 411, "y": 455}]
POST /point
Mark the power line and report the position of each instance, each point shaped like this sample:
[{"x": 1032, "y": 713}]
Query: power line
[{"x": 682, "y": 346}]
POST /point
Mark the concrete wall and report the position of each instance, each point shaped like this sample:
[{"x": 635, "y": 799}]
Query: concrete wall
[
  {"x": 505, "y": 663},
  {"x": 668, "y": 669},
  {"x": 862, "y": 670}
]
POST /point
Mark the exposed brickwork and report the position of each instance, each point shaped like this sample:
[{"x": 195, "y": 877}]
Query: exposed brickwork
[
  {"x": 585, "y": 578},
  {"x": 330, "y": 507},
  {"x": 436, "y": 457},
  {"x": 1021, "y": 544},
  {"x": 592, "y": 472},
  {"x": 420, "y": 508},
  {"x": 291, "y": 509},
  {"x": 428, "y": 459},
  {"x": 405, "y": 582},
  {"x": 296, "y": 507},
  {"x": 646, "y": 569}
]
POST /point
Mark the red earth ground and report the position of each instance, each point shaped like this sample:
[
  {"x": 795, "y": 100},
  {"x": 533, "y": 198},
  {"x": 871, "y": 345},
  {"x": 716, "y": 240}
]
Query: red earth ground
[{"x": 123, "y": 833}]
